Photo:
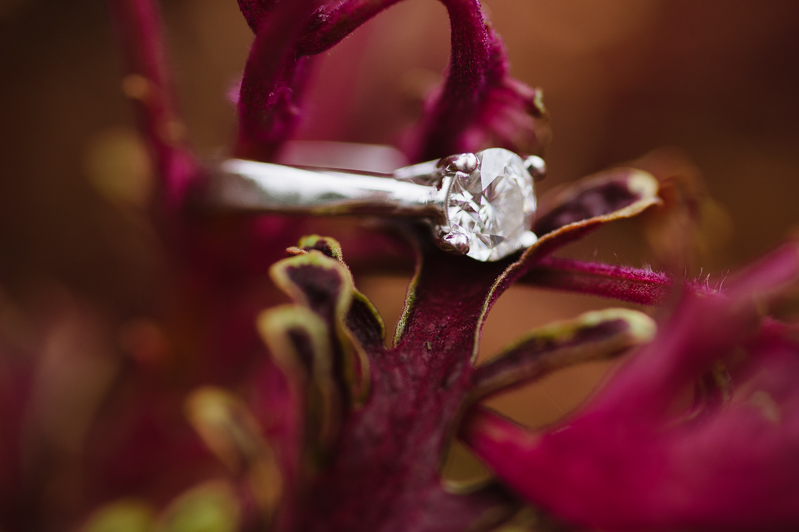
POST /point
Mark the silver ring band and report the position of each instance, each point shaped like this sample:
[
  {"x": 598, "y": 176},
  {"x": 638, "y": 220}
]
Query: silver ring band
[
  {"x": 480, "y": 204},
  {"x": 266, "y": 187}
]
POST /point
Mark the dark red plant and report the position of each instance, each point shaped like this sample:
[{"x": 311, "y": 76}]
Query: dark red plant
[
  {"x": 630, "y": 460},
  {"x": 236, "y": 414}
]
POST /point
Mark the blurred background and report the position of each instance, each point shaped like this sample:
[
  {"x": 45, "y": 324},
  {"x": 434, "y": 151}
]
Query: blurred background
[{"x": 716, "y": 82}]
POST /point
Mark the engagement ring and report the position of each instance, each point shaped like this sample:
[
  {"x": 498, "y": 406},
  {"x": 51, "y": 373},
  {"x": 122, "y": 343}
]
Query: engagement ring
[{"x": 479, "y": 204}]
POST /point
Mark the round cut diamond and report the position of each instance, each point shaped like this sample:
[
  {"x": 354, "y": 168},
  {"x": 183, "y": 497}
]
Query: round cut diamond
[{"x": 493, "y": 206}]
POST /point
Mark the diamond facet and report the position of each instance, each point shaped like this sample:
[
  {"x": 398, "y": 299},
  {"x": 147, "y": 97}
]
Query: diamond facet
[{"x": 493, "y": 206}]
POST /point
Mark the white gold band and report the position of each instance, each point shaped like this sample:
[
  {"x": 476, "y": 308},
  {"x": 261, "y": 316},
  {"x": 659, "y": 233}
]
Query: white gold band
[{"x": 266, "y": 187}]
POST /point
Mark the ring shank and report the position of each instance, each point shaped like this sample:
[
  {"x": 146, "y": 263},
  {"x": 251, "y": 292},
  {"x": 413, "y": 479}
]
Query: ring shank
[{"x": 264, "y": 187}]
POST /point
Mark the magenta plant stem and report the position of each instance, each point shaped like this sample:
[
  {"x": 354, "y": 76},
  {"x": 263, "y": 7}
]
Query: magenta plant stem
[
  {"x": 149, "y": 85},
  {"x": 328, "y": 27},
  {"x": 622, "y": 283},
  {"x": 273, "y": 80}
]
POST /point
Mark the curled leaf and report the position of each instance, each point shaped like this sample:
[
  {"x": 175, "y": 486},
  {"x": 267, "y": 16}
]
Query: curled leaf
[
  {"x": 231, "y": 432},
  {"x": 126, "y": 515},
  {"x": 592, "y": 336},
  {"x": 317, "y": 282},
  {"x": 212, "y": 507},
  {"x": 609, "y": 195},
  {"x": 315, "y": 279},
  {"x": 299, "y": 342},
  {"x": 363, "y": 321},
  {"x": 583, "y": 207}
]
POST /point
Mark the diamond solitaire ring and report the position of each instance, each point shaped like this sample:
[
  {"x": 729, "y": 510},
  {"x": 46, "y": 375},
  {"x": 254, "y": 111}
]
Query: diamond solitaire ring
[{"x": 480, "y": 204}]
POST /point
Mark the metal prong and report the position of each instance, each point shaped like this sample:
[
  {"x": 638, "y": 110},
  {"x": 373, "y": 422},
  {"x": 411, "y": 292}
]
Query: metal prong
[
  {"x": 536, "y": 166},
  {"x": 527, "y": 239},
  {"x": 457, "y": 242},
  {"x": 462, "y": 162}
]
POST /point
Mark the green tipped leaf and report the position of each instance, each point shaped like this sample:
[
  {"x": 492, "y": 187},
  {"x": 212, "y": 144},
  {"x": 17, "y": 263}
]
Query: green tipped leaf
[
  {"x": 231, "y": 432},
  {"x": 592, "y": 336},
  {"x": 299, "y": 341}
]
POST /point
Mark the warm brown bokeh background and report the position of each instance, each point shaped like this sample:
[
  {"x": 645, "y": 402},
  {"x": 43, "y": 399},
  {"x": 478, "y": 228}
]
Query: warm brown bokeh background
[{"x": 717, "y": 78}]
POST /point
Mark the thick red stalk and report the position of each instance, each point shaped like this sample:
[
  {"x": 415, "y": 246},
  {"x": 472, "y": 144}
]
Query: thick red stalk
[
  {"x": 255, "y": 11},
  {"x": 272, "y": 82},
  {"x": 327, "y": 28},
  {"x": 457, "y": 104},
  {"x": 479, "y": 105}
]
